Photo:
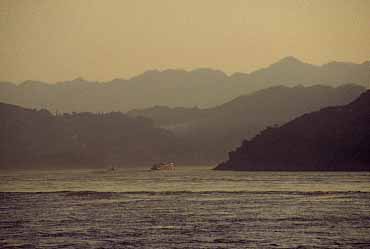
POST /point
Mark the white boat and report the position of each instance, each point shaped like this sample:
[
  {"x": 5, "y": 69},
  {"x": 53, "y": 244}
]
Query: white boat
[{"x": 163, "y": 166}]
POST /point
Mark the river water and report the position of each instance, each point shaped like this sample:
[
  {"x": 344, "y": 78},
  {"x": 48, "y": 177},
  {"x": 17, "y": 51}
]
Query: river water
[{"x": 191, "y": 207}]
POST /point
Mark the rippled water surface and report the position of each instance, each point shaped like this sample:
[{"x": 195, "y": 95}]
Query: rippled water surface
[{"x": 192, "y": 207}]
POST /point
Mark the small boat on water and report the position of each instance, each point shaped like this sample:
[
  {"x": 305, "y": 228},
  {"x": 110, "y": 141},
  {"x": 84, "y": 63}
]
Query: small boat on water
[{"x": 163, "y": 166}]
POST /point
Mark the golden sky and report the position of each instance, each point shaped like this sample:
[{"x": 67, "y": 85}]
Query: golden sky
[{"x": 56, "y": 40}]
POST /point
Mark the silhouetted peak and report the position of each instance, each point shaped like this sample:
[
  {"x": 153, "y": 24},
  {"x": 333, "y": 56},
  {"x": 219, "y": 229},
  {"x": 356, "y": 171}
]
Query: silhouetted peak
[
  {"x": 208, "y": 71},
  {"x": 147, "y": 74},
  {"x": 173, "y": 71},
  {"x": 117, "y": 80},
  {"x": 33, "y": 83},
  {"x": 238, "y": 75},
  {"x": 363, "y": 100},
  {"x": 335, "y": 64},
  {"x": 9, "y": 106},
  {"x": 7, "y": 84},
  {"x": 289, "y": 60},
  {"x": 272, "y": 90},
  {"x": 150, "y": 72},
  {"x": 179, "y": 74},
  {"x": 79, "y": 81}
]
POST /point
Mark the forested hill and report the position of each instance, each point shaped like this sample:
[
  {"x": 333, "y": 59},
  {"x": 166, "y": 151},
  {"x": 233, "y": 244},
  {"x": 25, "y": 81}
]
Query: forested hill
[
  {"x": 36, "y": 138},
  {"x": 334, "y": 138}
]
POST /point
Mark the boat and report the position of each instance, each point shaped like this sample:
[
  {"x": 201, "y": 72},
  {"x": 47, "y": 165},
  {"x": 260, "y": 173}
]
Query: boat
[{"x": 163, "y": 166}]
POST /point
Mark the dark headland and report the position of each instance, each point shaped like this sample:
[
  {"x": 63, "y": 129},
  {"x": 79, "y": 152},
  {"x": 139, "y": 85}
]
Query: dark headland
[{"x": 332, "y": 139}]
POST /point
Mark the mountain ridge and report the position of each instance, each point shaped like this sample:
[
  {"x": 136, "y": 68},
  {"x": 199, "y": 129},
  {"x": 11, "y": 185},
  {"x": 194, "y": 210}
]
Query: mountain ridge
[
  {"x": 333, "y": 138},
  {"x": 201, "y": 87},
  {"x": 184, "y": 135},
  {"x": 217, "y": 130}
]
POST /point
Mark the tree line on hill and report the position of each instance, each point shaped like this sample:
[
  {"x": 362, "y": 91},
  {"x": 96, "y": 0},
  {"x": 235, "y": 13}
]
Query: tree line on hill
[{"x": 332, "y": 139}]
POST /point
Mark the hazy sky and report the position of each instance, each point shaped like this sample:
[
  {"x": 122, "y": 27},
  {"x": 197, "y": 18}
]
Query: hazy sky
[{"x": 101, "y": 40}]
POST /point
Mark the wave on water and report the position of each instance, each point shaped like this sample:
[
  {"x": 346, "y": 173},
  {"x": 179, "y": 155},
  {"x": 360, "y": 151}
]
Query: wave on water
[{"x": 180, "y": 192}]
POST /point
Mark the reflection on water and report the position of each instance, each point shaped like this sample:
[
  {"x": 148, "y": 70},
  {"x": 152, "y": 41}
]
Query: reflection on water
[{"x": 187, "y": 208}]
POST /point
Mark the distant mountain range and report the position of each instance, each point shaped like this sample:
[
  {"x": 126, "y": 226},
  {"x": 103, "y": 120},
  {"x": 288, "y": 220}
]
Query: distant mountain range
[
  {"x": 201, "y": 87},
  {"x": 334, "y": 138},
  {"x": 215, "y": 131}
]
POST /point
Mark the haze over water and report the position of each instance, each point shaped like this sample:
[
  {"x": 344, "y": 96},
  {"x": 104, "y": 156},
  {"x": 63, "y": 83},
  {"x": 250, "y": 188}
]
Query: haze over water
[{"x": 192, "y": 207}]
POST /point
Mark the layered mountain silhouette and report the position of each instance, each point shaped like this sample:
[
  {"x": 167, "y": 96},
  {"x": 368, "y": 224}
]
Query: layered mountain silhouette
[
  {"x": 215, "y": 131},
  {"x": 200, "y": 87},
  {"x": 334, "y": 138},
  {"x": 33, "y": 138},
  {"x": 36, "y": 138}
]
